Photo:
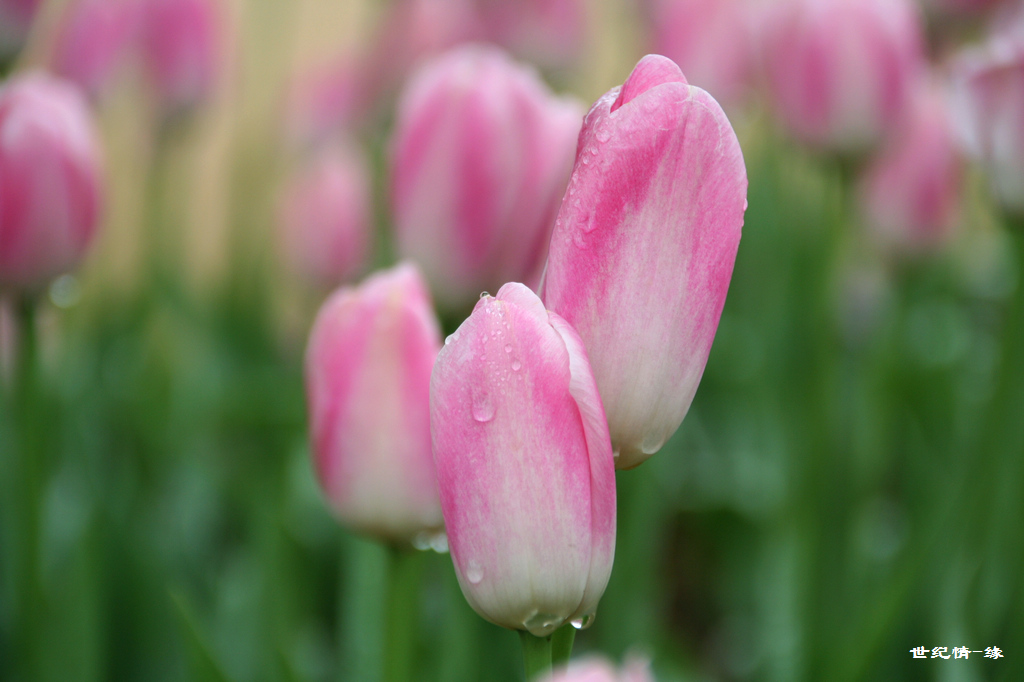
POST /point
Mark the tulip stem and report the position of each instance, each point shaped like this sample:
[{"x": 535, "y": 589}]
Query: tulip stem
[
  {"x": 404, "y": 576},
  {"x": 536, "y": 654},
  {"x": 561, "y": 644}
]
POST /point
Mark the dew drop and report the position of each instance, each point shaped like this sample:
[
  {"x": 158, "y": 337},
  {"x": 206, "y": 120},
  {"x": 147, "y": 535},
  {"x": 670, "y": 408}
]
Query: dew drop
[
  {"x": 542, "y": 624},
  {"x": 584, "y": 622},
  {"x": 484, "y": 294},
  {"x": 593, "y": 151},
  {"x": 516, "y": 365},
  {"x": 586, "y": 160},
  {"x": 508, "y": 347},
  {"x": 652, "y": 443},
  {"x": 483, "y": 408},
  {"x": 435, "y": 540},
  {"x": 603, "y": 134},
  {"x": 474, "y": 571}
]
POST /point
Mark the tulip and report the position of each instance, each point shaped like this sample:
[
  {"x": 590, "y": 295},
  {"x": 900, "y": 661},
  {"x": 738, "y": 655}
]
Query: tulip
[
  {"x": 710, "y": 40},
  {"x": 644, "y": 246},
  {"x": 600, "y": 670},
  {"x": 368, "y": 385},
  {"x": 524, "y": 465},
  {"x": 50, "y": 180},
  {"x": 546, "y": 32},
  {"x": 911, "y": 192},
  {"x": 325, "y": 217},
  {"x": 323, "y": 100},
  {"x": 481, "y": 153},
  {"x": 840, "y": 70},
  {"x": 15, "y": 21},
  {"x": 989, "y": 100},
  {"x": 182, "y": 50},
  {"x": 93, "y": 41}
]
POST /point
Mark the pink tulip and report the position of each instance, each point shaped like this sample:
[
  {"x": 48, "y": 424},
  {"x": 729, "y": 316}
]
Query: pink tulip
[
  {"x": 524, "y": 465},
  {"x": 325, "y": 217},
  {"x": 323, "y": 100},
  {"x": 546, "y": 32},
  {"x": 15, "y": 21},
  {"x": 368, "y": 386},
  {"x": 600, "y": 670},
  {"x": 839, "y": 71},
  {"x": 481, "y": 153},
  {"x": 182, "y": 43},
  {"x": 710, "y": 40},
  {"x": 93, "y": 41},
  {"x": 644, "y": 246},
  {"x": 911, "y": 192},
  {"x": 50, "y": 180},
  {"x": 989, "y": 100}
]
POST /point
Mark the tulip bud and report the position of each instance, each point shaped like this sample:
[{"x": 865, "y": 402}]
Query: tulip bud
[
  {"x": 50, "y": 180},
  {"x": 15, "y": 21},
  {"x": 710, "y": 40},
  {"x": 644, "y": 246},
  {"x": 524, "y": 465},
  {"x": 182, "y": 50},
  {"x": 368, "y": 385},
  {"x": 92, "y": 41},
  {"x": 325, "y": 218},
  {"x": 481, "y": 154},
  {"x": 989, "y": 101},
  {"x": 911, "y": 192},
  {"x": 840, "y": 70}
]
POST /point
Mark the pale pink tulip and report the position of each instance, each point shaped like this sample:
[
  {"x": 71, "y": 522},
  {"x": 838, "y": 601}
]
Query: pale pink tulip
[
  {"x": 545, "y": 32},
  {"x": 839, "y": 71},
  {"x": 710, "y": 40},
  {"x": 601, "y": 670},
  {"x": 324, "y": 100},
  {"x": 325, "y": 217},
  {"x": 93, "y": 41},
  {"x": 182, "y": 44},
  {"x": 481, "y": 154},
  {"x": 989, "y": 101},
  {"x": 368, "y": 367},
  {"x": 644, "y": 246},
  {"x": 15, "y": 21},
  {"x": 50, "y": 180},
  {"x": 524, "y": 465},
  {"x": 911, "y": 191}
]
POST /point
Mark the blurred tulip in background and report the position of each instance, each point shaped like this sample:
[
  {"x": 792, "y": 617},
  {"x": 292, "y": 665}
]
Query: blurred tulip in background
[
  {"x": 325, "y": 217},
  {"x": 911, "y": 192},
  {"x": 549, "y": 33},
  {"x": 839, "y": 71},
  {"x": 989, "y": 102},
  {"x": 50, "y": 180},
  {"x": 182, "y": 44},
  {"x": 94, "y": 39},
  {"x": 15, "y": 21},
  {"x": 524, "y": 465},
  {"x": 644, "y": 245},
  {"x": 368, "y": 366},
  {"x": 600, "y": 670},
  {"x": 480, "y": 155}
]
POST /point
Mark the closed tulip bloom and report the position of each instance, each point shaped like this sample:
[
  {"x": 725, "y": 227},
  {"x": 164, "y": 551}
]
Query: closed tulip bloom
[
  {"x": 182, "y": 43},
  {"x": 710, "y": 40},
  {"x": 911, "y": 191},
  {"x": 524, "y": 465},
  {"x": 93, "y": 41},
  {"x": 644, "y": 246},
  {"x": 50, "y": 180},
  {"x": 325, "y": 217},
  {"x": 840, "y": 70},
  {"x": 367, "y": 386},
  {"x": 481, "y": 154},
  {"x": 989, "y": 101}
]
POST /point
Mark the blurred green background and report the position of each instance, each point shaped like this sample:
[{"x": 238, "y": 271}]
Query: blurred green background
[{"x": 848, "y": 485}]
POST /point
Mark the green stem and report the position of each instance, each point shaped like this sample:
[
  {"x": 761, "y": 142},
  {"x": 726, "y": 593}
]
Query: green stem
[
  {"x": 561, "y": 644},
  {"x": 536, "y": 654},
  {"x": 404, "y": 577}
]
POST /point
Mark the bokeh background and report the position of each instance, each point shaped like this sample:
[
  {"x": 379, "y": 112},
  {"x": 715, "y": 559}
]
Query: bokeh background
[{"x": 848, "y": 485}]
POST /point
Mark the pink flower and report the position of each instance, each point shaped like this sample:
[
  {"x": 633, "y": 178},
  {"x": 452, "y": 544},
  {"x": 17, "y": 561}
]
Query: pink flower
[
  {"x": 50, "y": 180},
  {"x": 368, "y": 386},
  {"x": 546, "y": 32},
  {"x": 323, "y": 100},
  {"x": 911, "y": 191},
  {"x": 481, "y": 153},
  {"x": 840, "y": 70},
  {"x": 15, "y": 21},
  {"x": 524, "y": 465},
  {"x": 601, "y": 670},
  {"x": 93, "y": 41},
  {"x": 644, "y": 246},
  {"x": 989, "y": 101},
  {"x": 182, "y": 44},
  {"x": 710, "y": 40},
  {"x": 325, "y": 217}
]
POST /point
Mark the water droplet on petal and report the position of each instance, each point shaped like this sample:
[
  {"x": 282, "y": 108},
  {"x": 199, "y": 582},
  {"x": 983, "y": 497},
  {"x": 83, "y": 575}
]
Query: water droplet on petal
[
  {"x": 584, "y": 622},
  {"x": 435, "y": 540},
  {"x": 483, "y": 408},
  {"x": 508, "y": 347},
  {"x": 652, "y": 443},
  {"x": 516, "y": 365},
  {"x": 484, "y": 294},
  {"x": 474, "y": 571},
  {"x": 542, "y": 624},
  {"x": 603, "y": 134}
]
